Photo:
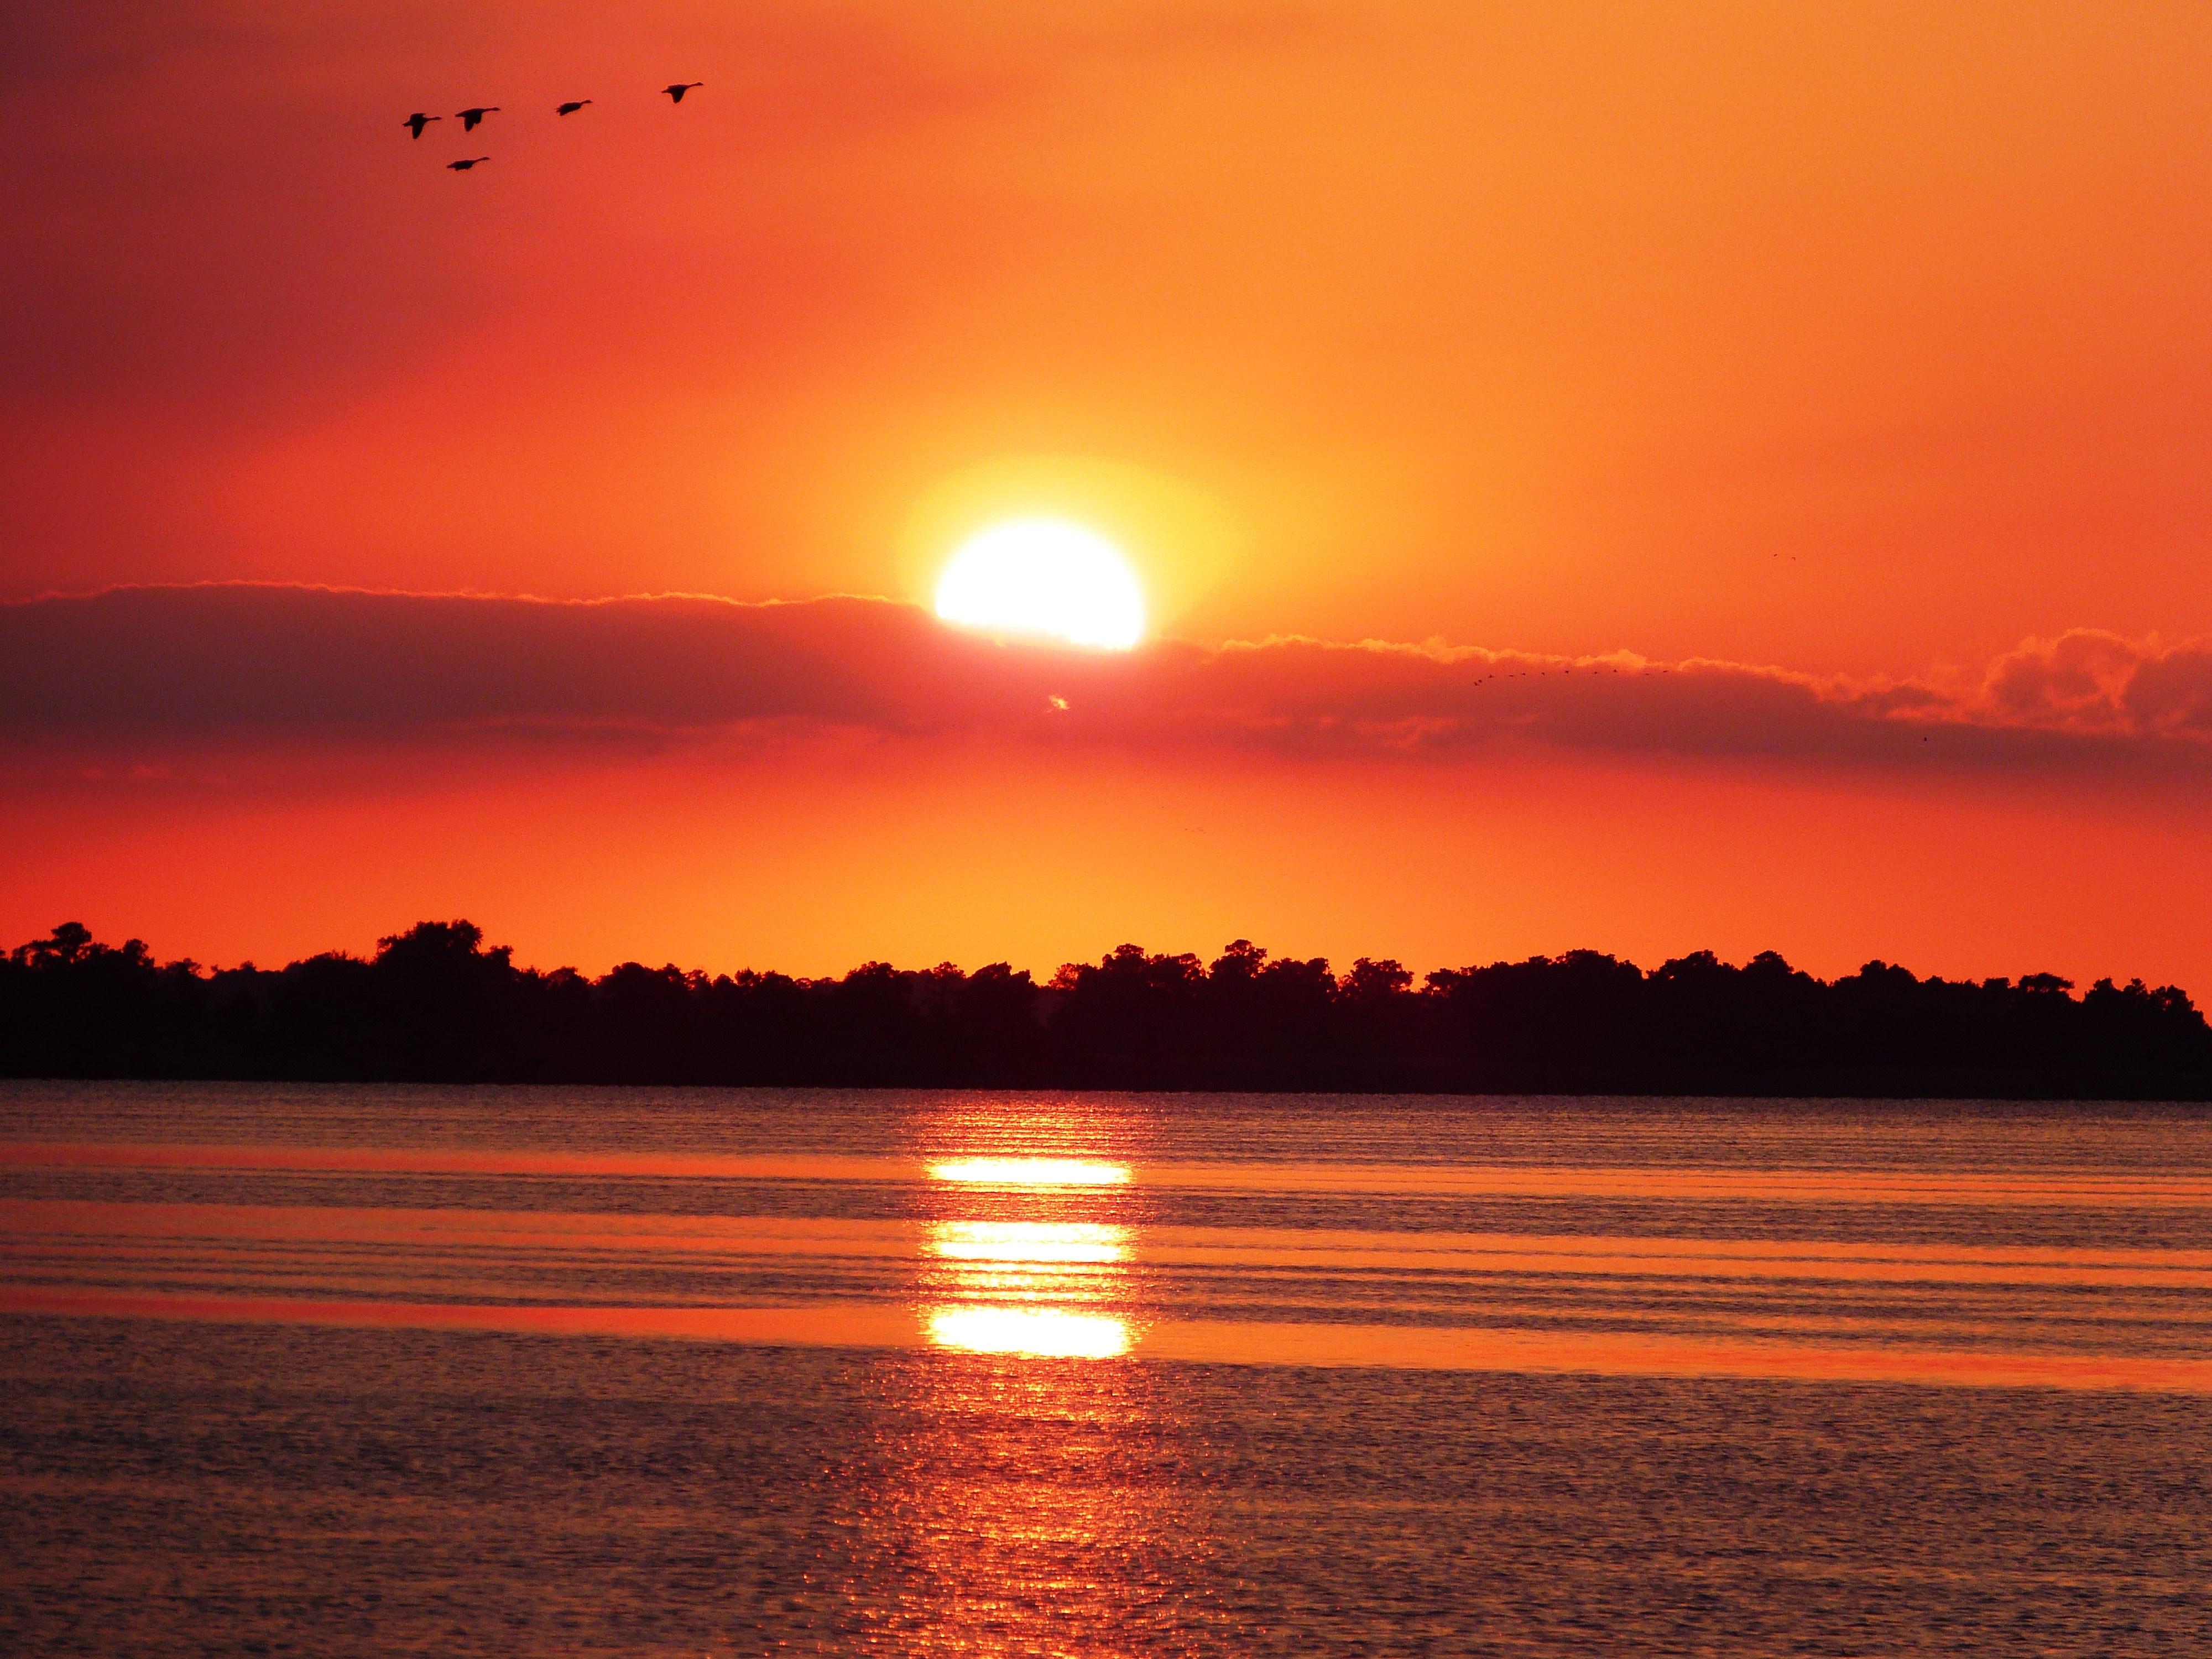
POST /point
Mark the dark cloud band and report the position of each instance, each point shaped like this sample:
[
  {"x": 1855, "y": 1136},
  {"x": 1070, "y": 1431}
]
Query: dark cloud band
[{"x": 236, "y": 660}]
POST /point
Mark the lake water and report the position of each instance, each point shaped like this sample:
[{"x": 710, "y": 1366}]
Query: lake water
[{"x": 379, "y": 1370}]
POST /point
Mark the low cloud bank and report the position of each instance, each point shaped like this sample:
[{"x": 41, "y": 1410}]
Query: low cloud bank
[{"x": 234, "y": 661}]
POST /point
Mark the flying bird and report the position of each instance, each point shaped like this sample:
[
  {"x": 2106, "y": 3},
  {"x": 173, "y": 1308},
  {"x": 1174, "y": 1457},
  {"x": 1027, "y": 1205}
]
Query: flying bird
[
  {"x": 572, "y": 108},
  {"x": 470, "y": 117},
  {"x": 675, "y": 92},
  {"x": 463, "y": 167},
  {"x": 418, "y": 121}
]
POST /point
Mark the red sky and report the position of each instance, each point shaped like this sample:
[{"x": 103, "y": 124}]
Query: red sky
[{"x": 1830, "y": 387}]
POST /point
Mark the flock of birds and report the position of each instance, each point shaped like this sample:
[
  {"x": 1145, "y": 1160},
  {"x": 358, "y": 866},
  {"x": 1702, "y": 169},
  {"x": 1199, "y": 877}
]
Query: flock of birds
[{"x": 470, "y": 119}]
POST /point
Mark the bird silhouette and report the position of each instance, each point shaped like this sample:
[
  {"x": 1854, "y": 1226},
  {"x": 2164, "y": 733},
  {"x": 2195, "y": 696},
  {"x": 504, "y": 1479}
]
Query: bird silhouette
[
  {"x": 572, "y": 108},
  {"x": 470, "y": 117},
  {"x": 463, "y": 167},
  {"x": 676, "y": 92},
  {"x": 418, "y": 121}
]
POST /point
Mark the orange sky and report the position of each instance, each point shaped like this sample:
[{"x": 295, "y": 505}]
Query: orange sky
[{"x": 1857, "y": 341}]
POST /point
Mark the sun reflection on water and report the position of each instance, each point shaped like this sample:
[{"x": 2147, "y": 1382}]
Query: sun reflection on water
[
  {"x": 1032, "y": 1261},
  {"x": 1021, "y": 1513}
]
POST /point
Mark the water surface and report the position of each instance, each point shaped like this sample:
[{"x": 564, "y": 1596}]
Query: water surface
[{"x": 382, "y": 1370}]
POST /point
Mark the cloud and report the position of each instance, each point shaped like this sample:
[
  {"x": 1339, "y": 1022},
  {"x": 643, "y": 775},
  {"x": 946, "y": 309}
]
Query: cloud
[
  {"x": 2088, "y": 681},
  {"x": 232, "y": 661}
]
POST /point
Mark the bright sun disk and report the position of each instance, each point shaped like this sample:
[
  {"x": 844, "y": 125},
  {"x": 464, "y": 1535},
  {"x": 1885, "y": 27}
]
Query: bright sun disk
[{"x": 1044, "y": 576}]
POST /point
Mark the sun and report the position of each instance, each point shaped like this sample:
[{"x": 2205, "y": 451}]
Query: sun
[{"x": 1044, "y": 576}]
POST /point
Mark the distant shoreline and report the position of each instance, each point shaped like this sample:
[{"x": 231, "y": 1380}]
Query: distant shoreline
[
  {"x": 434, "y": 1004},
  {"x": 2132, "y": 1092}
]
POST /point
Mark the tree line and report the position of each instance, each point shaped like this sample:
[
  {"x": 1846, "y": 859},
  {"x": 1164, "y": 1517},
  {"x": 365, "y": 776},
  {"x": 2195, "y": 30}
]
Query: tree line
[{"x": 434, "y": 1004}]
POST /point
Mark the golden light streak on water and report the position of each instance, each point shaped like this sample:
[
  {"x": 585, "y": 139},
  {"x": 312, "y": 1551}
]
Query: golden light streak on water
[
  {"x": 1032, "y": 1172},
  {"x": 1041, "y": 1332},
  {"x": 1028, "y": 1241}
]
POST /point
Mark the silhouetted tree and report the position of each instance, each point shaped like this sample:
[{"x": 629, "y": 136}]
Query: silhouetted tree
[
  {"x": 1132, "y": 1022},
  {"x": 646, "y": 1025}
]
